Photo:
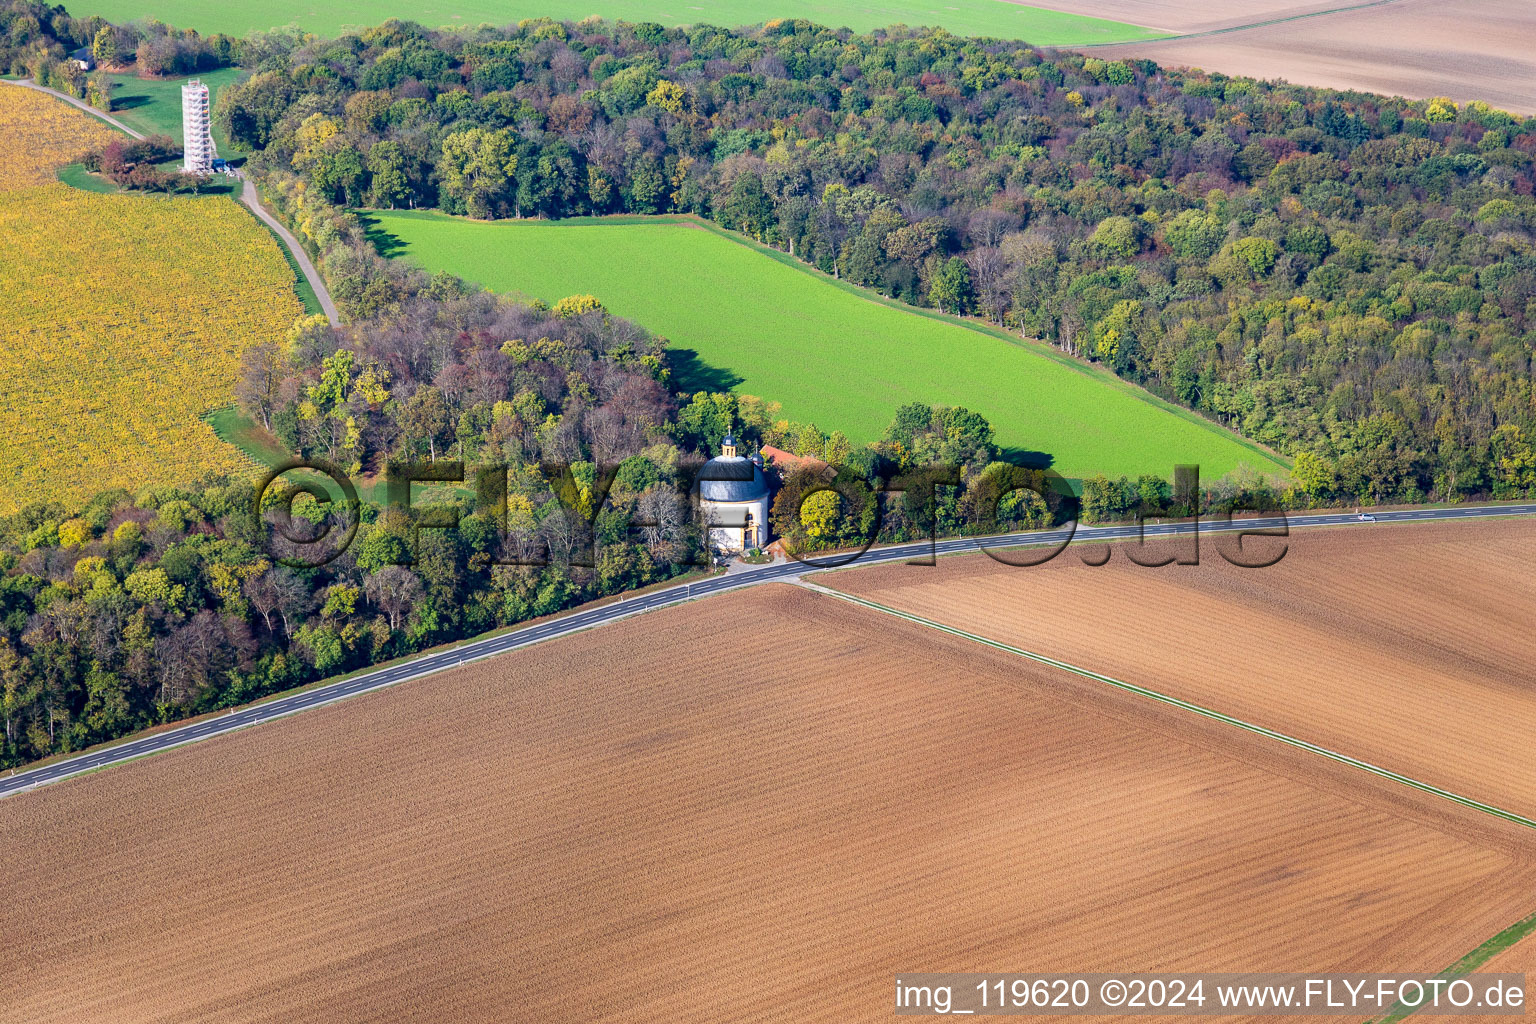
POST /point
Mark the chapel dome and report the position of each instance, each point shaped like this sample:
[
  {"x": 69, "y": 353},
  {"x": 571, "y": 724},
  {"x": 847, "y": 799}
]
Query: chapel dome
[{"x": 732, "y": 477}]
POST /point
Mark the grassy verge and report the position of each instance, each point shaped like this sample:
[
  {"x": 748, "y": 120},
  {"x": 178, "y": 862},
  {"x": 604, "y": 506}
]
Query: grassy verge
[
  {"x": 301, "y": 286},
  {"x": 253, "y": 442},
  {"x": 1469, "y": 963},
  {"x": 76, "y": 176}
]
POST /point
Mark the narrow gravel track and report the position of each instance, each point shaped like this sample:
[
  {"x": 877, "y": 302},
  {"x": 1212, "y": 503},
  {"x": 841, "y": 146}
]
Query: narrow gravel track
[{"x": 251, "y": 198}]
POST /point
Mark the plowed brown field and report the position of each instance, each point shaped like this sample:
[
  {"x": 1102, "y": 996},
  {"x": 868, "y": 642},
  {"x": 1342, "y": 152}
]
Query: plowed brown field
[
  {"x": 1518, "y": 959},
  {"x": 758, "y": 807},
  {"x": 1409, "y": 646},
  {"x": 1470, "y": 49}
]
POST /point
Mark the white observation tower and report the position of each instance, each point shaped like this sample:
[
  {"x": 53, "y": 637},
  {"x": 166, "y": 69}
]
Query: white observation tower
[{"x": 197, "y": 136}]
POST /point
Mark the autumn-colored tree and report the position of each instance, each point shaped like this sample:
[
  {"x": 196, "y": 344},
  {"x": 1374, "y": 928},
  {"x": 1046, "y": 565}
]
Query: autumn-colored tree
[
  {"x": 476, "y": 169},
  {"x": 104, "y": 45},
  {"x": 1440, "y": 109},
  {"x": 820, "y": 514},
  {"x": 262, "y": 372},
  {"x": 951, "y": 287},
  {"x": 575, "y": 305},
  {"x": 394, "y": 589},
  {"x": 668, "y": 96},
  {"x": 424, "y": 421}
]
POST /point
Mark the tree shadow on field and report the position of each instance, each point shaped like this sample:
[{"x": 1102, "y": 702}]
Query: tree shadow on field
[
  {"x": 690, "y": 373},
  {"x": 1027, "y": 458},
  {"x": 129, "y": 102},
  {"x": 388, "y": 245}
]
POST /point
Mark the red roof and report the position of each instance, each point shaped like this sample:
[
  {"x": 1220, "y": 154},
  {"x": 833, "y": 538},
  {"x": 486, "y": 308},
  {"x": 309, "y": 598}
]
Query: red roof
[{"x": 784, "y": 460}]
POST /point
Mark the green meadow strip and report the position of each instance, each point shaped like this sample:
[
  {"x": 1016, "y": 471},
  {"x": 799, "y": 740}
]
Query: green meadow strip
[
  {"x": 831, "y": 353},
  {"x": 1469, "y": 963}
]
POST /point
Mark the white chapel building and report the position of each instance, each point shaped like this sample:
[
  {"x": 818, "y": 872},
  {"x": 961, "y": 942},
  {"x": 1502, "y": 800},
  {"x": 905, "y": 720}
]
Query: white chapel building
[{"x": 733, "y": 496}]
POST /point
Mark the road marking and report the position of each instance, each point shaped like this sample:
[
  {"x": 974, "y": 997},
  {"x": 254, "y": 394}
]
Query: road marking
[{"x": 487, "y": 647}]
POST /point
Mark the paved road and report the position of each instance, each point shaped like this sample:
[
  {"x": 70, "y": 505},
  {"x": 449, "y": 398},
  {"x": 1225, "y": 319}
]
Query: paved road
[
  {"x": 427, "y": 664},
  {"x": 250, "y": 197},
  {"x": 27, "y": 83}
]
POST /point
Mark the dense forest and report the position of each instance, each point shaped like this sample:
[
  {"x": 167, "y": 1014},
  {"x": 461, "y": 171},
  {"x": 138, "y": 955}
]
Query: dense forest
[{"x": 1344, "y": 277}]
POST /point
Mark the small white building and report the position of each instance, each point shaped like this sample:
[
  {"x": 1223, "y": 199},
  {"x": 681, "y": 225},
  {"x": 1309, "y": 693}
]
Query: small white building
[
  {"x": 733, "y": 496},
  {"x": 196, "y": 129},
  {"x": 83, "y": 58}
]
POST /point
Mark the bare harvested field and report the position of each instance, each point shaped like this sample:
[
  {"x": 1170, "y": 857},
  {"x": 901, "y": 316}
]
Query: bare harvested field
[
  {"x": 1183, "y": 16},
  {"x": 754, "y": 808},
  {"x": 1406, "y": 645},
  {"x": 1471, "y": 49}
]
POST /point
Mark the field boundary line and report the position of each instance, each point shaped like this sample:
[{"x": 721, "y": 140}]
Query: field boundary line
[
  {"x": 1185, "y": 705},
  {"x": 1485, "y": 951},
  {"x": 1205, "y": 33}
]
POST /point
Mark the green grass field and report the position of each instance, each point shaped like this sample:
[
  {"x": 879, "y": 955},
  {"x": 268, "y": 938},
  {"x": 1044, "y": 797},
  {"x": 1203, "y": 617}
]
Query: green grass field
[
  {"x": 963, "y": 17},
  {"x": 76, "y": 176},
  {"x": 154, "y": 107},
  {"x": 830, "y": 353}
]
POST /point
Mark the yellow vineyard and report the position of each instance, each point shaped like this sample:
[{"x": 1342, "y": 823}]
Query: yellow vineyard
[
  {"x": 124, "y": 320},
  {"x": 39, "y": 134}
]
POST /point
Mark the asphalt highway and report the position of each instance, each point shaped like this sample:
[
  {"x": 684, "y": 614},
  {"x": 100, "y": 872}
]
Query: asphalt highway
[{"x": 475, "y": 650}]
